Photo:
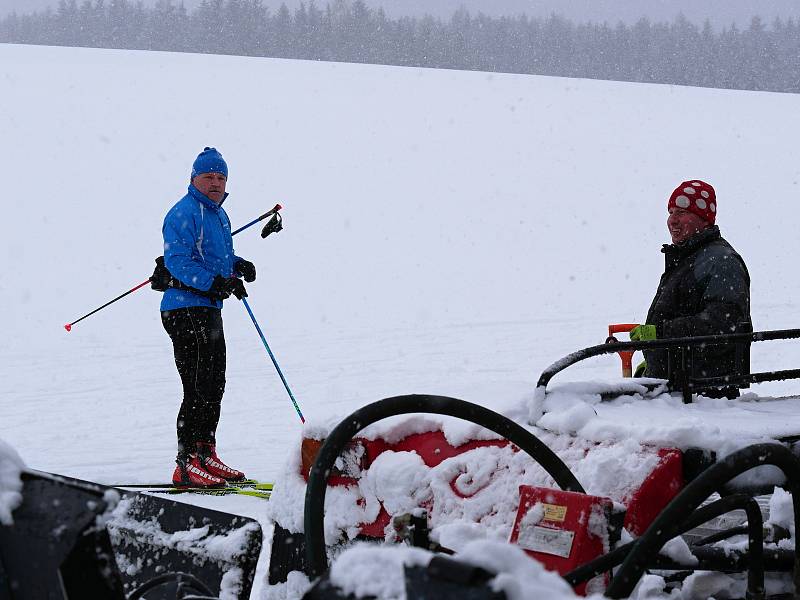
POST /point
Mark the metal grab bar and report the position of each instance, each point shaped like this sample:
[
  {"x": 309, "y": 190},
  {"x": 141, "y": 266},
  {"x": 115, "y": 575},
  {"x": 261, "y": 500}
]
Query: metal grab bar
[{"x": 680, "y": 343}]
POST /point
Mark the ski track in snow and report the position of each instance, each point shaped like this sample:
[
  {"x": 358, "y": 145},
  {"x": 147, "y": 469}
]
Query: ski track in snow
[{"x": 446, "y": 232}]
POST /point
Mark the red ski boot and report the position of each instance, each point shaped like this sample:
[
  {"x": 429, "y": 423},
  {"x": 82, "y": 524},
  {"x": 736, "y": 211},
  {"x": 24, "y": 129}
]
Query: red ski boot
[
  {"x": 190, "y": 472},
  {"x": 212, "y": 463}
]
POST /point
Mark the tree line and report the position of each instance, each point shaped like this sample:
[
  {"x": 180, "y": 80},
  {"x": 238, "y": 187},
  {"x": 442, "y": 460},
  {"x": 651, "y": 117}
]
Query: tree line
[{"x": 759, "y": 57}]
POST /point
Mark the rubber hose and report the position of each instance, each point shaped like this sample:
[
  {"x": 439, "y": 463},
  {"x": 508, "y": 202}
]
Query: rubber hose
[
  {"x": 316, "y": 558},
  {"x": 722, "y": 560},
  {"x": 712, "y": 479},
  {"x": 605, "y": 563},
  {"x": 726, "y": 534}
]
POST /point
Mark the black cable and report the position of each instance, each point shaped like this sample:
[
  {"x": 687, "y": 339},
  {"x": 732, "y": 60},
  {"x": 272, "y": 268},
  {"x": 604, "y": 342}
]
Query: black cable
[
  {"x": 605, "y": 563},
  {"x": 316, "y": 558},
  {"x": 677, "y": 577},
  {"x": 755, "y": 543},
  {"x": 722, "y": 560},
  {"x": 186, "y": 578},
  {"x": 721, "y": 535},
  {"x": 712, "y": 479},
  {"x": 189, "y": 591}
]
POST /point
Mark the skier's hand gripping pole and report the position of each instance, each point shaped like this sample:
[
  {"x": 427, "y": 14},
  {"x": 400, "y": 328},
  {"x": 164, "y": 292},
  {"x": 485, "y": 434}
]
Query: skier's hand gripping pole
[
  {"x": 274, "y": 362},
  {"x": 273, "y": 211}
]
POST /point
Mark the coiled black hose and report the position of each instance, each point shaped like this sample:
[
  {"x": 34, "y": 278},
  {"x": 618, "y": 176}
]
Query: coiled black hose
[
  {"x": 442, "y": 405},
  {"x": 755, "y": 579},
  {"x": 711, "y": 480}
]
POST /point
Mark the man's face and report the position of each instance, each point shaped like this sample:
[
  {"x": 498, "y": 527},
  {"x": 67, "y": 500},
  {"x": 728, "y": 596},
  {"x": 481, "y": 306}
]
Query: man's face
[
  {"x": 683, "y": 224},
  {"x": 212, "y": 185}
]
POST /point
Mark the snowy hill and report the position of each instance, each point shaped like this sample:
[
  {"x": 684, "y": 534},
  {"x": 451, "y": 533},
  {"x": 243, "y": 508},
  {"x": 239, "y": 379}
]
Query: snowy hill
[{"x": 446, "y": 232}]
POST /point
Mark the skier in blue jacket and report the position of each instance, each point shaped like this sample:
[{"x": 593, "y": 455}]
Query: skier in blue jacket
[{"x": 198, "y": 253}]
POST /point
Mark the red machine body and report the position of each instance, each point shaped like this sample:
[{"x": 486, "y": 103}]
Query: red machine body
[
  {"x": 656, "y": 491},
  {"x": 643, "y": 504},
  {"x": 431, "y": 446}
]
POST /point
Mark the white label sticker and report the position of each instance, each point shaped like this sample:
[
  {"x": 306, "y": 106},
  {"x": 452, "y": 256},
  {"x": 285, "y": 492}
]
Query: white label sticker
[{"x": 557, "y": 542}]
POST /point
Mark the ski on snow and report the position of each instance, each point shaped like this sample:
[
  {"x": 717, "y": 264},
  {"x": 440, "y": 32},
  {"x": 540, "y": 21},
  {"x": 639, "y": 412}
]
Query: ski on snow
[
  {"x": 247, "y": 487},
  {"x": 226, "y": 491}
]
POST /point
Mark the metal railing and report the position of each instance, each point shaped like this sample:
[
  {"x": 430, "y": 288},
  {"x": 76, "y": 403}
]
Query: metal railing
[{"x": 681, "y": 360}]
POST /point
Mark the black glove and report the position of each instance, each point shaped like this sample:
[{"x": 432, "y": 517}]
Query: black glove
[
  {"x": 161, "y": 278},
  {"x": 274, "y": 225},
  {"x": 221, "y": 288},
  {"x": 246, "y": 269},
  {"x": 217, "y": 290}
]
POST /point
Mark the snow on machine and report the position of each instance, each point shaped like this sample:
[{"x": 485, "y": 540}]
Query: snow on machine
[
  {"x": 72, "y": 539},
  {"x": 654, "y": 481}
]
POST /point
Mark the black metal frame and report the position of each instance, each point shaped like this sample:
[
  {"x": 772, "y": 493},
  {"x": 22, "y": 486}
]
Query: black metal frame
[
  {"x": 646, "y": 547},
  {"x": 681, "y": 352},
  {"x": 712, "y": 559}
]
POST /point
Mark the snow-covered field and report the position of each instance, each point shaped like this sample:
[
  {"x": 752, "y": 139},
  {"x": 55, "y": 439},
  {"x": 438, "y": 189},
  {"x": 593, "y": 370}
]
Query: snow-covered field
[{"x": 445, "y": 232}]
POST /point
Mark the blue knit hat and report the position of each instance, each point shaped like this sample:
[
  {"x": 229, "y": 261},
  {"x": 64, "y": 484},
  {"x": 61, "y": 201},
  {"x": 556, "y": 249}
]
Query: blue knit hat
[{"x": 209, "y": 161}]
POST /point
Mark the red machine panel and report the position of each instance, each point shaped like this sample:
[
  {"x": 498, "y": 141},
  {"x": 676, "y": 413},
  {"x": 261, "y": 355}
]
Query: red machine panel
[
  {"x": 562, "y": 530},
  {"x": 657, "y": 490}
]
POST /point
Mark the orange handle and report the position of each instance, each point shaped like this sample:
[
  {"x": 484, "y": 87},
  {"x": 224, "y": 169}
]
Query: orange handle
[
  {"x": 626, "y": 356},
  {"x": 621, "y": 328}
]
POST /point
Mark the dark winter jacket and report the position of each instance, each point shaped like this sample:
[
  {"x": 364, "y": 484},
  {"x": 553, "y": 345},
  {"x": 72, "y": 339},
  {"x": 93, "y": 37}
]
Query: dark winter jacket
[
  {"x": 705, "y": 290},
  {"x": 197, "y": 246}
]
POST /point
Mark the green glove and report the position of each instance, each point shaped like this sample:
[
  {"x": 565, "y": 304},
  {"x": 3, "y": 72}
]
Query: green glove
[
  {"x": 640, "y": 369},
  {"x": 643, "y": 333}
]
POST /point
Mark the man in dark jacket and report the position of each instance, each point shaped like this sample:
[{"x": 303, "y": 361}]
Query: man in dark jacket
[
  {"x": 705, "y": 288},
  {"x": 198, "y": 253}
]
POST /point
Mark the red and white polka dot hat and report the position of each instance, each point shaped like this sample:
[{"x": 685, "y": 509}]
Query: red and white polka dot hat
[{"x": 695, "y": 196}]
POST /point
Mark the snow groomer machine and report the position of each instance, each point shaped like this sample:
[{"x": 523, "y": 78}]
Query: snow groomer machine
[{"x": 625, "y": 488}]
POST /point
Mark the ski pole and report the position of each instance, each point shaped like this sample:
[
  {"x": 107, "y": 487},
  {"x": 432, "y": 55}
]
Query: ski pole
[
  {"x": 68, "y": 326},
  {"x": 269, "y": 213},
  {"x": 274, "y": 362}
]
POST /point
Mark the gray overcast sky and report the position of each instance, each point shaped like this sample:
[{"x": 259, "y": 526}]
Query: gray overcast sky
[{"x": 720, "y": 12}]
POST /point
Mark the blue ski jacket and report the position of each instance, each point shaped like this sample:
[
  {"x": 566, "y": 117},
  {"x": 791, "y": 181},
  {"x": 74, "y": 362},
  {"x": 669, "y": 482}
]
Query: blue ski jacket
[{"x": 197, "y": 247}]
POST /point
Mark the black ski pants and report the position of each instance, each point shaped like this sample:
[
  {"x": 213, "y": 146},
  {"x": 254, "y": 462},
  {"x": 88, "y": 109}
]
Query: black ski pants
[{"x": 199, "y": 345}]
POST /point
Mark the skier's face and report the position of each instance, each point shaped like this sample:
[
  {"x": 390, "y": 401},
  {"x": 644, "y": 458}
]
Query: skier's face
[
  {"x": 212, "y": 185},
  {"x": 683, "y": 224}
]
